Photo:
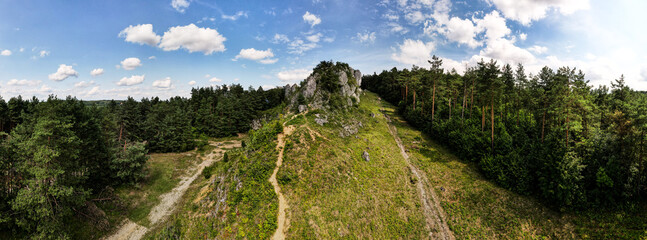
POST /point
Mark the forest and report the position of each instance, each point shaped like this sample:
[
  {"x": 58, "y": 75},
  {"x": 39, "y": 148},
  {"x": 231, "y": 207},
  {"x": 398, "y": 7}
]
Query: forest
[
  {"x": 549, "y": 134},
  {"x": 57, "y": 154}
]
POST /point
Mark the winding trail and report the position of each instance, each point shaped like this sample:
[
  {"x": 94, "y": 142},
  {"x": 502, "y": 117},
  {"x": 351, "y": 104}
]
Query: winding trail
[
  {"x": 130, "y": 230},
  {"x": 283, "y": 204},
  {"x": 434, "y": 213}
]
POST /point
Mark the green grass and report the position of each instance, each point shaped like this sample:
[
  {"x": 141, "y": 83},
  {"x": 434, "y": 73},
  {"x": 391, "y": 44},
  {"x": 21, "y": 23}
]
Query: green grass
[
  {"x": 479, "y": 209},
  {"x": 333, "y": 193},
  {"x": 237, "y": 201}
]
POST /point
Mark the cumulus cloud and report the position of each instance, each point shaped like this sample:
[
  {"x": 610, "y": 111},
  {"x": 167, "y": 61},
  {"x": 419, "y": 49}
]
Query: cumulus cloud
[
  {"x": 142, "y": 34},
  {"x": 538, "y": 49},
  {"x": 235, "y": 16},
  {"x": 23, "y": 82},
  {"x": 293, "y": 75},
  {"x": 462, "y": 31},
  {"x": 523, "y": 36},
  {"x": 526, "y": 11},
  {"x": 131, "y": 63},
  {"x": 311, "y": 19},
  {"x": 397, "y": 28},
  {"x": 366, "y": 37},
  {"x": 152, "y": 58},
  {"x": 83, "y": 84},
  {"x": 132, "y": 80},
  {"x": 96, "y": 72},
  {"x": 180, "y": 5},
  {"x": 413, "y": 52},
  {"x": 193, "y": 39},
  {"x": 191, "y": 83},
  {"x": 262, "y": 56},
  {"x": 163, "y": 83},
  {"x": 215, "y": 79},
  {"x": 93, "y": 91},
  {"x": 5, "y": 52},
  {"x": 314, "y": 37},
  {"x": 63, "y": 72}
]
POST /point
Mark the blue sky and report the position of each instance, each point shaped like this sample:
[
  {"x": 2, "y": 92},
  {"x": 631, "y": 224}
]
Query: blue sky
[{"x": 113, "y": 49}]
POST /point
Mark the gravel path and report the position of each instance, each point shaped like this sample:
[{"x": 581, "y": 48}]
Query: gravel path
[{"x": 283, "y": 204}]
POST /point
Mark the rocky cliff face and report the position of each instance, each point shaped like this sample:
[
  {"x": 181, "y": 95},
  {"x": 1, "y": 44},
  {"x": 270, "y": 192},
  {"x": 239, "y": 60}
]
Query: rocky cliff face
[{"x": 329, "y": 86}]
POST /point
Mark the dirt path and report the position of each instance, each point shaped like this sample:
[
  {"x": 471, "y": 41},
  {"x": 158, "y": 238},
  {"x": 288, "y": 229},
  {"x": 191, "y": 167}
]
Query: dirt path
[
  {"x": 283, "y": 204},
  {"x": 434, "y": 214},
  {"x": 168, "y": 201}
]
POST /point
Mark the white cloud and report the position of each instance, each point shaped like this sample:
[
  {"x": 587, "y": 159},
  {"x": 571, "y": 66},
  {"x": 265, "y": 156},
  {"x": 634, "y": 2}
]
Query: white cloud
[
  {"x": 293, "y": 75},
  {"x": 397, "y": 28},
  {"x": 523, "y": 36},
  {"x": 152, "y": 58},
  {"x": 191, "y": 83},
  {"x": 253, "y": 54},
  {"x": 298, "y": 46},
  {"x": 494, "y": 26},
  {"x": 142, "y": 34},
  {"x": 269, "y": 61},
  {"x": 267, "y": 87},
  {"x": 462, "y": 31},
  {"x": 262, "y": 56},
  {"x": 207, "y": 76},
  {"x": 391, "y": 17},
  {"x": 5, "y": 52},
  {"x": 96, "y": 72},
  {"x": 131, "y": 63},
  {"x": 93, "y": 91},
  {"x": 163, "y": 83},
  {"x": 504, "y": 50},
  {"x": 366, "y": 37},
  {"x": 311, "y": 19},
  {"x": 314, "y": 37},
  {"x": 280, "y": 38},
  {"x": 215, "y": 79},
  {"x": 23, "y": 82},
  {"x": 193, "y": 39},
  {"x": 22, "y": 49},
  {"x": 83, "y": 84},
  {"x": 235, "y": 16},
  {"x": 413, "y": 52},
  {"x": 538, "y": 49},
  {"x": 526, "y": 11},
  {"x": 44, "y": 53},
  {"x": 180, "y": 5},
  {"x": 132, "y": 80},
  {"x": 415, "y": 17},
  {"x": 63, "y": 72}
]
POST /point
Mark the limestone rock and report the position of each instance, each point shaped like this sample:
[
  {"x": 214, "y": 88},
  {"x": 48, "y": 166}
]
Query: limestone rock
[{"x": 365, "y": 156}]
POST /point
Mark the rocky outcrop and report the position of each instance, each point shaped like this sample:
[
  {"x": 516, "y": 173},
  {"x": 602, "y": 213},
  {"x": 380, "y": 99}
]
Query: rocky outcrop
[{"x": 329, "y": 86}]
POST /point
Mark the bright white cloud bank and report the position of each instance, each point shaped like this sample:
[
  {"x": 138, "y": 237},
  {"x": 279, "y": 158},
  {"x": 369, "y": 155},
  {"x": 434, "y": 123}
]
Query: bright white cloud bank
[
  {"x": 293, "y": 75},
  {"x": 163, "y": 83},
  {"x": 262, "y": 56},
  {"x": 63, "y": 72},
  {"x": 311, "y": 19},
  {"x": 132, "y": 80},
  {"x": 413, "y": 52},
  {"x": 96, "y": 72},
  {"x": 193, "y": 39},
  {"x": 526, "y": 11},
  {"x": 131, "y": 63},
  {"x": 142, "y": 34}
]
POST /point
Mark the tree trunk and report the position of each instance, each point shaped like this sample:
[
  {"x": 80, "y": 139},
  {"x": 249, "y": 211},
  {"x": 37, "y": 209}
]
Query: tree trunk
[
  {"x": 482, "y": 118},
  {"x": 472, "y": 99},
  {"x": 414, "y": 100},
  {"x": 463, "y": 106},
  {"x": 121, "y": 130},
  {"x": 450, "y": 109}
]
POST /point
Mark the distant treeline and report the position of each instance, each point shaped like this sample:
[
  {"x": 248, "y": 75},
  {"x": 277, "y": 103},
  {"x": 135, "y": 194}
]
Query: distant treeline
[
  {"x": 549, "y": 134},
  {"x": 56, "y": 154}
]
